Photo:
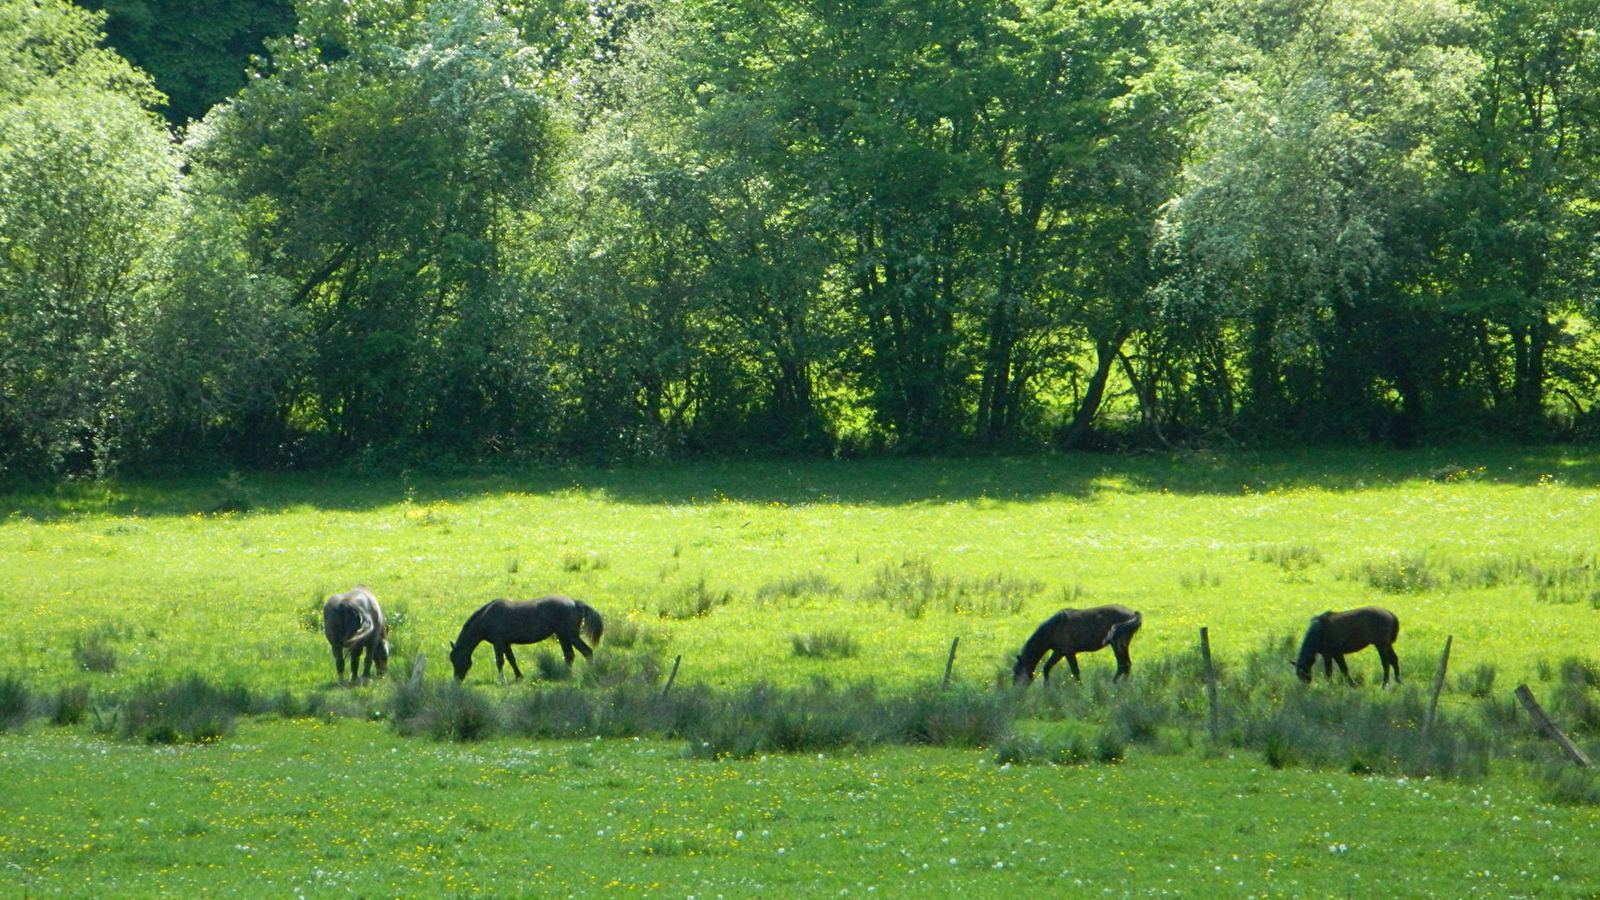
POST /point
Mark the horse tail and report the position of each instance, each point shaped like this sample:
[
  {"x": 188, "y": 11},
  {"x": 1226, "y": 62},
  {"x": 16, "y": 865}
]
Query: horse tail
[
  {"x": 1123, "y": 631},
  {"x": 593, "y": 625},
  {"x": 363, "y": 633}
]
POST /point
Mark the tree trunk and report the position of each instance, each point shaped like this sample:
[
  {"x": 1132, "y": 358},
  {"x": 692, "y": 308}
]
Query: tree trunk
[{"x": 1105, "y": 351}]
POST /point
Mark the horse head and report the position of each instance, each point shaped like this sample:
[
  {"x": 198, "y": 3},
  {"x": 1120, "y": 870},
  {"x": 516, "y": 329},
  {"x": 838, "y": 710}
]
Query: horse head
[
  {"x": 1021, "y": 673},
  {"x": 461, "y": 659}
]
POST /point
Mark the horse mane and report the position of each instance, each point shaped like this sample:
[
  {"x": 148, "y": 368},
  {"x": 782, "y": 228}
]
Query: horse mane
[
  {"x": 1038, "y": 643},
  {"x": 1311, "y": 645}
]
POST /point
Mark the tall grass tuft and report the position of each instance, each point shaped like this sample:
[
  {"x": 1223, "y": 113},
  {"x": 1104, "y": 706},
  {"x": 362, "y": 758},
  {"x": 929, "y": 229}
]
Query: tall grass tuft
[
  {"x": 811, "y": 584},
  {"x": 1401, "y": 573},
  {"x": 444, "y": 710},
  {"x": 189, "y": 711},
  {"x": 912, "y": 588},
  {"x": 16, "y": 702},
  {"x": 691, "y": 601},
  {"x": 94, "y": 652},
  {"x": 828, "y": 644}
]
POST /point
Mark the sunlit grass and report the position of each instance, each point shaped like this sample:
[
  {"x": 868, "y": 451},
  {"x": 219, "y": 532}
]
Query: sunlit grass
[
  {"x": 139, "y": 580},
  {"x": 345, "y": 808}
]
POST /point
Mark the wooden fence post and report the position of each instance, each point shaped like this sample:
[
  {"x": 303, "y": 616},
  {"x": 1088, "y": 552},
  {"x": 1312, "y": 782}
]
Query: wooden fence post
[
  {"x": 674, "y": 676},
  {"x": 416, "y": 671},
  {"x": 950, "y": 664},
  {"x": 1549, "y": 727},
  {"x": 1438, "y": 685},
  {"x": 1213, "y": 727}
]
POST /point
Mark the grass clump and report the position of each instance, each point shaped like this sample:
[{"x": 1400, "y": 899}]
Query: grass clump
[
  {"x": 1401, "y": 573},
  {"x": 912, "y": 588},
  {"x": 444, "y": 710},
  {"x": 829, "y": 644},
  {"x": 189, "y": 711},
  {"x": 691, "y": 601},
  {"x": 16, "y": 702},
  {"x": 811, "y": 584}
]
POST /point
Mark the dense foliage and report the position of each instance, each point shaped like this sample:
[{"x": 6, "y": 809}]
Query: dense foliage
[{"x": 452, "y": 229}]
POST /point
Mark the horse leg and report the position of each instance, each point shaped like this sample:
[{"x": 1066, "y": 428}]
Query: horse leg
[
  {"x": 338, "y": 661},
  {"x": 500, "y": 661},
  {"x": 355, "y": 666},
  {"x": 1072, "y": 663},
  {"x": 512, "y": 658},
  {"x": 1327, "y": 666},
  {"x": 1344, "y": 669},
  {"x": 585, "y": 649},
  {"x": 1124, "y": 663},
  {"x": 1050, "y": 663},
  {"x": 1390, "y": 661}
]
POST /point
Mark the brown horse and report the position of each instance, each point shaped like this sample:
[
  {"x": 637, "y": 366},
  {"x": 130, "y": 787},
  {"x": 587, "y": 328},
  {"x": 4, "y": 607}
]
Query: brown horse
[
  {"x": 1333, "y": 634},
  {"x": 1073, "y": 631},
  {"x": 505, "y": 622},
  {"x": 353, "y": 622}
]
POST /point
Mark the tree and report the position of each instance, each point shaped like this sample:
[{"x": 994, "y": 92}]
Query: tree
[
  {"x": 1290, "y": 233},
  {"x": 196, "y": 53},
  {"x": 377, "y": 166},
  {"x": 87, "y": 195}
]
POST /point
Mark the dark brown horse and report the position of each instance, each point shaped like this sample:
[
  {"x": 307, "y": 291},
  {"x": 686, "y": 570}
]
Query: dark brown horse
[
  {"x": 1333, "y": 634},
  {"x": 352, "y": 622},
  {"x": 505, "y": 622},
  {"x": 1073, "y": 631}
]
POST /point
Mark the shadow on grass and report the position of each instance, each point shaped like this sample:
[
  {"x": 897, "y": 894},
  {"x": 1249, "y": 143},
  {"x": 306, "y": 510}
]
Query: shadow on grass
[{"x": 872, "y": 482}]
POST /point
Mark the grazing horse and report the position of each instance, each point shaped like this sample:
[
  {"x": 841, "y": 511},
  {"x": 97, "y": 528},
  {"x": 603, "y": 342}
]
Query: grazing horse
[
  {"x": 1333, "y": 634},
  {"x": 1073, "y": 631},
  {"x": 352, "y": 621},
  {"x": 505, "y": 622}
]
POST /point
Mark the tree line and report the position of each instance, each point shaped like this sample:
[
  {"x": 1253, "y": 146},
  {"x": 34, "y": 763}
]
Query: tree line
[{"x": 458, "y": 229}]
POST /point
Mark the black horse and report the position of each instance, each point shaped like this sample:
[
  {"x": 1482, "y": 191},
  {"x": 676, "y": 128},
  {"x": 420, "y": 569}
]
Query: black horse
[
  {"x": 505, "y": 622},
  {"x": 1073, "y": 631},
  {"x": 353, "y": 622},
  {"x": 1333, "y": 634}
]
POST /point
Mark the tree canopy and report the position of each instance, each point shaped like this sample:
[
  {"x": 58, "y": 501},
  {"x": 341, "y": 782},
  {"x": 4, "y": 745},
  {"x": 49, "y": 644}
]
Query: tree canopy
[{"x": 462, "y": 230}]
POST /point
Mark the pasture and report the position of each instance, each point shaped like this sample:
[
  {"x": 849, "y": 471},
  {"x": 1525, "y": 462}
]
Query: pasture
[{"x": 784, "y": 573}]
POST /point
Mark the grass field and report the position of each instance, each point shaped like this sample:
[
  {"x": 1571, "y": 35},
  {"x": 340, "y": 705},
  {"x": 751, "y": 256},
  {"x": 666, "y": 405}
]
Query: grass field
[{"x": 733, "y": 566}]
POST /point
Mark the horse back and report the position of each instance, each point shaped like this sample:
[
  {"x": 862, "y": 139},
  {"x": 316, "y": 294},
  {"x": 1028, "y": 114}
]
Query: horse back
[
  {"x": 1087, "y": 630},
  {"x": 1356, "y": 629}
]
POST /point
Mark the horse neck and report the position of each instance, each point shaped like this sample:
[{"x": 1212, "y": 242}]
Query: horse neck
[
  {"x": 1037, "y": 645},
  {"x": 472, "y": 634},
  {"x": 1310, "y": 646}
]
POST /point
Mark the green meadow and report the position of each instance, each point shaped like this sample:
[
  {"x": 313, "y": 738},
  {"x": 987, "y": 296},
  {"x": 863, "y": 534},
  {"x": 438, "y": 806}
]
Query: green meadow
[{"x": 795, "y": 575}]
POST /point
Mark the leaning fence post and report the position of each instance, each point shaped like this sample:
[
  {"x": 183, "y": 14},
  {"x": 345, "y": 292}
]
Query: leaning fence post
[
  {"x": 1211, "y": 681},
  {"x": 1438, "y": 685},
  {"x": 950, "y": 664},
  {"x": 416, "y": 671},
  {"x": 674, "y": 676},
  {"x": 1549, "y": 727}
]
